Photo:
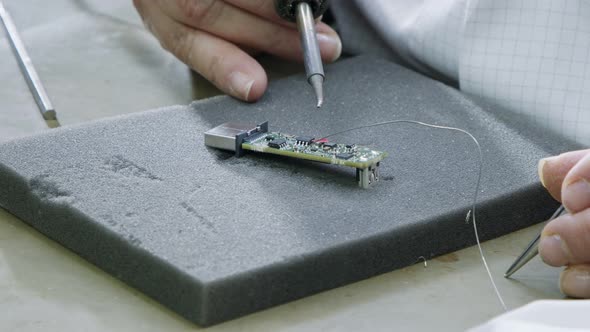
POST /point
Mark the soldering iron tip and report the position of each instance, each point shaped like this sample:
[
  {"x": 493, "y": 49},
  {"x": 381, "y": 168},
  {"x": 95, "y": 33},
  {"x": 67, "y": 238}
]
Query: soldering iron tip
[
  {"x": 317, "y": 82},
  {"x": 320, "y": 103}
]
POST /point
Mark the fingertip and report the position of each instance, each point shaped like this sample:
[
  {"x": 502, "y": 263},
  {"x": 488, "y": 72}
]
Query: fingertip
[
  {"x": 553, "y": 250},
  {"x": 551, "y": 175},
  {"x": 330, "y": 46},
  {"x": 260, "y": 84},
  {"x": 574, "y": 281},
  {"x": 554, "y": 171},
  {"x": 541, "y": 171},
  {"x": 247, "y": 83},
  {"x": 576, "y": 195},
  {"x": 564, "y": 240},
  {"x": 322, "y": 27},
  {"x": 575, "y": 191},
  {"x": 258, "y": 88}
]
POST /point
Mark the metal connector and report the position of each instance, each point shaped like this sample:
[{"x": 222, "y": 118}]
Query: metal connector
[
  {"x": 367, "y": 177},
  {"x": 231, "y": 135}
]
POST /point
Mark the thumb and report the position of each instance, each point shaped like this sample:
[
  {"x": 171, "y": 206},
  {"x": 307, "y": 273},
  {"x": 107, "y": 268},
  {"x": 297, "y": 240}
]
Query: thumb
[{"x": 553, "y": 170}]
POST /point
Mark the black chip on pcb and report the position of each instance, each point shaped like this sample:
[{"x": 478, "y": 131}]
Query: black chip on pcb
[
  {"x": 277, "y": 143},
  {"x": 344, "y": 156},
  {"x": 304, "y": 140},
  {"x": 329, "y": 145}
]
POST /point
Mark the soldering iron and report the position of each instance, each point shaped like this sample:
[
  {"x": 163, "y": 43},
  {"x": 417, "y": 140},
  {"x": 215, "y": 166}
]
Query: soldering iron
[{"x": 304, "y": 13}]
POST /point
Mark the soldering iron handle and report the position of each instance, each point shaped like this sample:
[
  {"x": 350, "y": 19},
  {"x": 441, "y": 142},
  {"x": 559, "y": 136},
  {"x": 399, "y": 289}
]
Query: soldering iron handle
[{"x": 287, "y": 8}]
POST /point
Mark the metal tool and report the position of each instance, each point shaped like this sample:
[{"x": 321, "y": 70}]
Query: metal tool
[
  {"x": 304, "y": 12},
  {"x": 532, "y": 249},
  {"x": 26, "y": 66}
]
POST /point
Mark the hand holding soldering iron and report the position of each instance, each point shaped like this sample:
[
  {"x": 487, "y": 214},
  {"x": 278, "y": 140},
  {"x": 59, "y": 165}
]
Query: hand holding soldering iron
[{"x": 219, "y": 39}]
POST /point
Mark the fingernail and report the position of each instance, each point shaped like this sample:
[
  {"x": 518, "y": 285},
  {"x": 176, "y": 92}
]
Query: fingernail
[
  {"x": 576, "y": 196},
  {"x": 332, "y": 43},
  {"x": 554, "y": 250},
  {"x": 240, "y": 85},
  {"x": 575, "y": 282},
  {"x": 542, "y": 163},
  {"x": 541, "y": 167}
]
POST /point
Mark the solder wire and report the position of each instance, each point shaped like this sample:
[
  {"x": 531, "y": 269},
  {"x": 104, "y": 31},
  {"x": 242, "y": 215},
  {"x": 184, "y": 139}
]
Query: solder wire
[{"x": 477, "y": 186}]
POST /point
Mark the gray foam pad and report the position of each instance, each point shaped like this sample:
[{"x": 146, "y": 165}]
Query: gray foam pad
[{"x": 214, "y": 237}]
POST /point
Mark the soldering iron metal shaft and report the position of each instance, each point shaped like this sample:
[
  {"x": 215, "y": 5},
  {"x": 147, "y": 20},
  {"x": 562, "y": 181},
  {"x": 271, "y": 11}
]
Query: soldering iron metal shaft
[{"x": 311, "y": 50}]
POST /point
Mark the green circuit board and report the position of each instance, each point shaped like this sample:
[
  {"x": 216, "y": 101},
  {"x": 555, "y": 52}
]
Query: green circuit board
[{"x": 301, "y": 147}]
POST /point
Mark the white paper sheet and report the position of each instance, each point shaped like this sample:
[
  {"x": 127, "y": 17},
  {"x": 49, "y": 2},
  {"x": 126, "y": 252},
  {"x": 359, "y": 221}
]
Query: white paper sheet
[
  {"x": 529, "y": 56},
  {"x": 542, "y": 316}
]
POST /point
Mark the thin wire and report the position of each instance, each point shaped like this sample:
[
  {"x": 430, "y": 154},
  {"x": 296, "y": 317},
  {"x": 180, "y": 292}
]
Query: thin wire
[{"x": 477, "y": 186}]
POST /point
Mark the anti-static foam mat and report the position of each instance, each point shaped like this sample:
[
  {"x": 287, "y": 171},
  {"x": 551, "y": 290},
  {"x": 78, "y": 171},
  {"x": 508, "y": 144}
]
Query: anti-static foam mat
[{"x": 214, "y": 237}]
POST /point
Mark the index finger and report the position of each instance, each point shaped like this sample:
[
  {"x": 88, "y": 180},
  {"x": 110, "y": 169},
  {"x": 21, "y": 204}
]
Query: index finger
[{"x": 553, "y": 170}]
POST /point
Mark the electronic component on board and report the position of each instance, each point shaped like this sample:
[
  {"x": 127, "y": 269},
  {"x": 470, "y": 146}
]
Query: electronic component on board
[
  {"x": 344, "y": 156},
  {"x": 240, "y": 138},
  {"x": 329, "y": 146},
  {"x": 304, "y": 140}
]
